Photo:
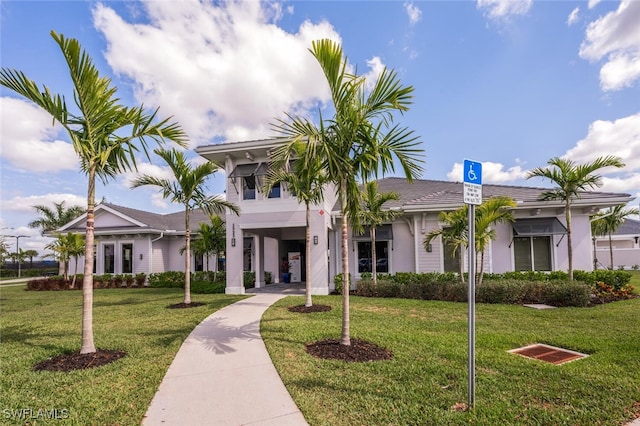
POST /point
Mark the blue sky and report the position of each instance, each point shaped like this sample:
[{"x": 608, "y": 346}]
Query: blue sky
[{"x": 508, "y": 83}]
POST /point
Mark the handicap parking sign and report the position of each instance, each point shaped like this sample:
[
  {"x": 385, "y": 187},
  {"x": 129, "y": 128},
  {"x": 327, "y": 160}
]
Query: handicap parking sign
[{"x": 472, "y": 177}]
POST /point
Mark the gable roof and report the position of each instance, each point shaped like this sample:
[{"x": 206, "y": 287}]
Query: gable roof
[
  {"x": 436, "y": 195},
  {"x": 629, "y": 227},
  {"x": 141, "y": 221}
]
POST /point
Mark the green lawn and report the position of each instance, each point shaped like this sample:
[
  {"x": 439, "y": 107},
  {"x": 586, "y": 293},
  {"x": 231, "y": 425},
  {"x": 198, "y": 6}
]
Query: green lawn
[
  {"x": 635, "y": 281},
  {"x": 38, "y": 325},
  {"x": 428, "y": 374}
]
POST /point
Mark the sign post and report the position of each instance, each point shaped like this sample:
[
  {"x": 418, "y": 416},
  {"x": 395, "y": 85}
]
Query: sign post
[{"x": 472, "y": 194}]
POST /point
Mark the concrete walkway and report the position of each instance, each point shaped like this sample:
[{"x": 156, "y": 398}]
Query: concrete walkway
[{"x": 223, "y": 375}]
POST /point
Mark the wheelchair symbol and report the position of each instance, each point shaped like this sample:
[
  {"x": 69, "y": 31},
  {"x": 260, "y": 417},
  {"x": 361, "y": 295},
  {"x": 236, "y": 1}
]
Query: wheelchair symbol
[{"x": 471, "y": 174}]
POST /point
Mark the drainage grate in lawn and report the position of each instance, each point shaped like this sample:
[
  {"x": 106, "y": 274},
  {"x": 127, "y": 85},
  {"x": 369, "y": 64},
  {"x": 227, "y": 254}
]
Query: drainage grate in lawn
[{"x": 548, "y": 353}]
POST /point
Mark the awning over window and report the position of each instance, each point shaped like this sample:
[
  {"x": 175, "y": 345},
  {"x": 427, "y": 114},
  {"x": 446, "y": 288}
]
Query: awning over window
[
  {"x": 244, "y": 170},
  {"x": 538, "y": 226},
  {"x": 383, "y": 233}
]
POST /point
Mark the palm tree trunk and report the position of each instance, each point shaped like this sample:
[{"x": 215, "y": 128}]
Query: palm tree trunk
[
  {"x": 567, "y": 215},
  {"x": 187, "y": 259},
  {"x": 75, "y": 273},
  {"x": 374, "y": 260},
  {"x": 481, "y": 271},
  {"x": 611, "y": 250},
  {"x": 461, "y": 263},
  {"x": 345, "y": 339},
  {"x": 87, "y": 281},
  {"x": 308, "y": 301}
]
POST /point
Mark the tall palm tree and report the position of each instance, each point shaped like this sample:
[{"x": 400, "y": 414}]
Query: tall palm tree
[
  {"x": 306, "y": 179},
  {"x": 454, "y": 233},
  {"x": 358, "y": 142},
  {"x": 491, "y": 211},
  {"x": 75, "y": 247},
  {"x": 52, "y": 219},
  {"x": 571, "y": 179},
  {"x": 187, "y": 188},
  {"x": 103, "y": 133},
  {"x": 373, "y": 215},
  {"x": 608, "y": 221}
]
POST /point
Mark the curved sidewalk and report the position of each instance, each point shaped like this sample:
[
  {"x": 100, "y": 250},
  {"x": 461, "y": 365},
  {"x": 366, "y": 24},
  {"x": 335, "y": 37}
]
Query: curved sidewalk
[{"x": 223, "y": 375}]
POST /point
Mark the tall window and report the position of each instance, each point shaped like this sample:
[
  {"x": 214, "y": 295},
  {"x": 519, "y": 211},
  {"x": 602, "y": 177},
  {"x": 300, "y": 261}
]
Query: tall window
[
  {"x": 127, "y": 258},
  {"x": 451, "y": 258},
  {"x": 532, "y": 253},
  {"x": 249, "y": 188},
  {"x": 109, "y": 258},
  {"x": 198, "y": 262}
]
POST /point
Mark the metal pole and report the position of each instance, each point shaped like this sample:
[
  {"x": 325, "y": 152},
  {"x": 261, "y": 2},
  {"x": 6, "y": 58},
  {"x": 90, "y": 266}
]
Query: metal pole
[{"x": 472, "y": 307}]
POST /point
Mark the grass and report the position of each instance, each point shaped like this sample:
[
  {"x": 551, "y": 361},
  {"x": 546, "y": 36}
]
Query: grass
[
  {"x": 428, "y": 374},
  {"x": 635, "y": 281},
  {"x": 38, "y": 325}
]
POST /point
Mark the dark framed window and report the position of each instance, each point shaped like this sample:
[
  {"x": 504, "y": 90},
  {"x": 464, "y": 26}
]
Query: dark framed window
[
  {"x": 249, "y": 188},
  {"x": 532, "y": 253},
  {"x": 275, "y": 191},
  {"x": 109, "y": 258},
  {"x": 451, "y": 258},
  {"x": 127, "y": 258}
]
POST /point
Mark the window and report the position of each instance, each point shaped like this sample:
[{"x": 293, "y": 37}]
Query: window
[
  {"x": 532, "y": 253},
  {"x": 365, "y": 257},
  {"x": 127, "y": 258},
  {"x": 109, "y": 258},
  {"x": 275, "y": 191},
  {"x": 198, "y": 262},
  {"x": 249, "y": 188},
  {"x": 451, "y": 258}
]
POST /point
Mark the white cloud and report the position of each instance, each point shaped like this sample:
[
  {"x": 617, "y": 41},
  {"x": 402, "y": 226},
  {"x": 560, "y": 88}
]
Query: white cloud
[
  {"x": 25, "y": 204},
  {"x": 31, "y": 240},
  {"x": 158, "y": 201},
  {"x": 28, "y": 139},
  {"x": 593, "y": 3},
  {"x": 573, "y": 16},
  {"x": 375, "y": 69},
  {"x": 223, "y": 70},
  {"x": 620, "y": 137},
  {"x": 615, "y": 36},
  {"x": 491, "y": 173},
  {"x": 414, "y": 13},
  {"x": 146, "y": 169},
  {"x": 503, "y": 9}
]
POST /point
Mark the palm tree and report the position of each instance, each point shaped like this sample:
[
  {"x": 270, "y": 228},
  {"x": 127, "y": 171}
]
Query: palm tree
[
  {"x": 491, "y": 211},
  {"x": 60, "y": 250},
  {"x": 360, "y": 141},
  {"x": 607, "y": 222},
  {"x": 372, "y": 215},
  {"x": 306, "y": 178},
  {"x": 188, "y": 189},
  {"x": 31, "y": 254},
  {"x": 571, "y": 179},
  {"x": 454, "y": 233},
  {"x": 52, "y": 219},
  {"x": 75, "y": 248},
  {"x": 104, "y": 135},
  {"x": 211, "y": 240}
]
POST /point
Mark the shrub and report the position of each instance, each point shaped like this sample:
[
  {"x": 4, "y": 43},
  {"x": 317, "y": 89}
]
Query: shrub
[
  {"x": 249, "y": 279},
  {"x": 558, "y": 293},
  {"x": 616, "y": 279},
  {"x": 268, "y": 277},
  {"x": 337, "y": 282},
  {"x": 169, "y": 279},
  {"x": 140, "y": 279},
  {"x": 207, "y": 287}
]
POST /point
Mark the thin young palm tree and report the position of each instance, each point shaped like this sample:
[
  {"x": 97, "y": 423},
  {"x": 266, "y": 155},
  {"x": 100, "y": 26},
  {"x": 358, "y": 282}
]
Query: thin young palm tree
[
  {"x": 211, "y": 240},
  {"x": 304, "y": 177},
  {"x": 571, "y": 180},
  {"x": 54, "y": 218},
  {"x": 60, "y": 250},
  {"x": 608, "y": 221},
  {"x": 454, "y": 233},
  {"x": 187, "y": 188},
  {"x": 103, "y": 133},
  {"x": 373, "y": 215},
  {"x": 492, "y": 211},
  {"x": 358, "y": 142}
]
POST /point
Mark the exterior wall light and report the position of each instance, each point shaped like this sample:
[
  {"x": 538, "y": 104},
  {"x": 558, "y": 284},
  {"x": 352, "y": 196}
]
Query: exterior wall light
[
  {"x": 315, "y": 240},
  {"x": 141, "y": 256},
  {"x": 233, "y": 242}
]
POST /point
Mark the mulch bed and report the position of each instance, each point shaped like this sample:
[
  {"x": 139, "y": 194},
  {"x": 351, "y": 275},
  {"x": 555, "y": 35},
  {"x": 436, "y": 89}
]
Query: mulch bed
[
  {"x": 308, "y": 309},
  {"x": 186, "y": 305},
  {"x": 77, "y": 361},
  {"x": 358, "y": 351}
]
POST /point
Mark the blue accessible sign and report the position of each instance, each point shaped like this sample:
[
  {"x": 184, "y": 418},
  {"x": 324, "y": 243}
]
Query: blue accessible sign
[{"x": 472, "y": 177}]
